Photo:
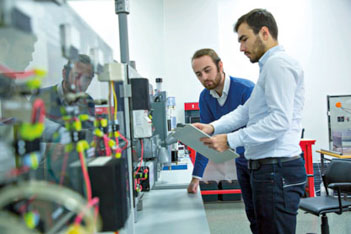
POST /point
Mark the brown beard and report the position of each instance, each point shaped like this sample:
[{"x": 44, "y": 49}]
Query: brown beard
[
  {"x": 258, "y": 50},
  {"x": 215, "y": 82}
]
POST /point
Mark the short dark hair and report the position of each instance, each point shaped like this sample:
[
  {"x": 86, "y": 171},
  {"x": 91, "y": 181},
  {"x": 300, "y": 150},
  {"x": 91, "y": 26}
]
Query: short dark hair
[
  {"x": 209, "y": 52},
  {"x": 256, "y": 19}
]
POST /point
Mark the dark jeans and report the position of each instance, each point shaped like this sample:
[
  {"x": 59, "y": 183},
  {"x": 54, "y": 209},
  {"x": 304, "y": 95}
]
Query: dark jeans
[
  {"x": 277, "y": 189},
  {"x": 243, "y": 175}
]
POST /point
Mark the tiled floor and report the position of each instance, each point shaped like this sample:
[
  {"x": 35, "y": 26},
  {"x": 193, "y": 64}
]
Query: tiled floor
[{"x": 230, "y": 218}]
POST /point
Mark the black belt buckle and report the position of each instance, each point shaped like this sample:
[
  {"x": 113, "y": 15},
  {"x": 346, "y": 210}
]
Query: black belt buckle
[{"x": 253, "y": 164}]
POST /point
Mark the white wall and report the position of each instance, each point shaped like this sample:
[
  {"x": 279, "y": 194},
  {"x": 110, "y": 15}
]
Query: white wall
[
  {"x": 145, "y": 29},
  {"x": 146, "y": 38},
  {"x": 165, "y": 33},
  {"x": 100, "y": 15},
  {"x": 189, "y": 26}
]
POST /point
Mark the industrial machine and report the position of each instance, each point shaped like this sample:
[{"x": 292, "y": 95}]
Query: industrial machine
[
  {"x": 55, "y": 149},
  {"x": 82, "y": 136}
]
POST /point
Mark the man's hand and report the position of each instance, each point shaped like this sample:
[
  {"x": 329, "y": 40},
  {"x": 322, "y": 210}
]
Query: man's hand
[
  {"x": 194, "y": 184},
  {"x": 217, "y": 142},
  {"x": 207, "y": 128}
]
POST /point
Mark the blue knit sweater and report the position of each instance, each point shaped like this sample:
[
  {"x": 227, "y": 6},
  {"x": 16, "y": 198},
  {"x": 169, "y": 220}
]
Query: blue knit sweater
[{"x": 210, "y": 110}]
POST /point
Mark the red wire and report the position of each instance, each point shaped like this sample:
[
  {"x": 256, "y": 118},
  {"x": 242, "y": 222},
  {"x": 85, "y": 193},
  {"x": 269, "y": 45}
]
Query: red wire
[
  {"x": 15, "y": 74},
  {"x": 93, "y": 202},
  {"x": 118, "y": 149},
  {"x": 126, "y": 141},
  {"x": 141, "y": 157},
  {"x": 38, "y": 105},
  {"x": 145, "y": 172},
  {"x": 18, "y": 171},
  {"x": 107, "y": 147},
  {"x": 117, "y": 142},
  {"x": 85, "y": 175},
  {"x": 135, "y": 184},
  {"x": 137, "y": 181}
]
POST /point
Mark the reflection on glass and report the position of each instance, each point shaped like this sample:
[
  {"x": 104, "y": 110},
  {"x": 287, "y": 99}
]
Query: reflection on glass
[
  {"x": 16, "y": 49},
  {"x": 68, "y": 97}
]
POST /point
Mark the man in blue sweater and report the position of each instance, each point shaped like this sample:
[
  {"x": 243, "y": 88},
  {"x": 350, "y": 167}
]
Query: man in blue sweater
[{"x": 222, "y": 94}]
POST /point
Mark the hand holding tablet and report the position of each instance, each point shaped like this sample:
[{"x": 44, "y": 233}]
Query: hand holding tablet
[{"x": 190, "y": 135}]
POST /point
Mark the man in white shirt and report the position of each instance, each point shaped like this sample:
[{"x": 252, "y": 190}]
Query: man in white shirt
[{"x": 272, "y": 116}]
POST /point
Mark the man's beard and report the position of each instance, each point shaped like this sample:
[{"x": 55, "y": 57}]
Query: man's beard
[
  {"x": 258, "y": 50},
  {"x": 215, "y": 83}
]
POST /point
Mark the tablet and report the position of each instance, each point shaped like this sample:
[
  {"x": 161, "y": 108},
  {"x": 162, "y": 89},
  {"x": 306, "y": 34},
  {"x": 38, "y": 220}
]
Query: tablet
[{"x": 190, "y": 136}]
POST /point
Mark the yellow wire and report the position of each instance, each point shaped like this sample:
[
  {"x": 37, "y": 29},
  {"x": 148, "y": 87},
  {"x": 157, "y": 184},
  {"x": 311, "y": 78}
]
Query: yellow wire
[
  {"x": 115, "y": 100},
  {"x": 109, "y": 102}
]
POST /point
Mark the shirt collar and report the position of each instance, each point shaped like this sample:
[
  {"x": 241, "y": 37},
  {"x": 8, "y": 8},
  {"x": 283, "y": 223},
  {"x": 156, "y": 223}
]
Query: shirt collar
[
  {"x": 225, "y": 87},
  {"x": 268, "y": 54}
]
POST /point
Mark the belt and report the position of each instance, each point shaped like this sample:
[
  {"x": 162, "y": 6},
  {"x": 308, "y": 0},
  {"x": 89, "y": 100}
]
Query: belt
[{"x": 255, "y": 164}]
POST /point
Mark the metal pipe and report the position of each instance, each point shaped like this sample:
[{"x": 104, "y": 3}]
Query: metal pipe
[
  {"x": 122, "y": 10},
  {"x": 123, "y": 37}
]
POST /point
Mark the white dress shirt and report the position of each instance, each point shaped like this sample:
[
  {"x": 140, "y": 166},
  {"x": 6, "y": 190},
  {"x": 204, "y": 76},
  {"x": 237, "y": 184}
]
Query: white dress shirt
[
  {"x": 221, "y": 99},
  {"x": 272, "y": 114}
]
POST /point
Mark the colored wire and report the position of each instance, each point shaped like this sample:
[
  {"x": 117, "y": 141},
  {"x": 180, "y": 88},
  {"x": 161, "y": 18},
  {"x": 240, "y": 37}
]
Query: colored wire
[
  {"x": 53, "y": 194},
  {"x": 91, "y": 203},
  {"x": 141, "y": 156},
  {"x": 76, "y": 119},
  {"x": 145, "y": 172},
  {"x": 14, "y": 74},
  {"x": 115, "y": 100},
  {"x": 85, "y": 175},
  {"x": 18, "y": 171},
  {"x": 38, "y": 104},
  {"x": 118, "y": 149},
  {"x": 125, "y": 140},
  {"x": 109, "y": 103},
  {"x": 107, "y": 147}
]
